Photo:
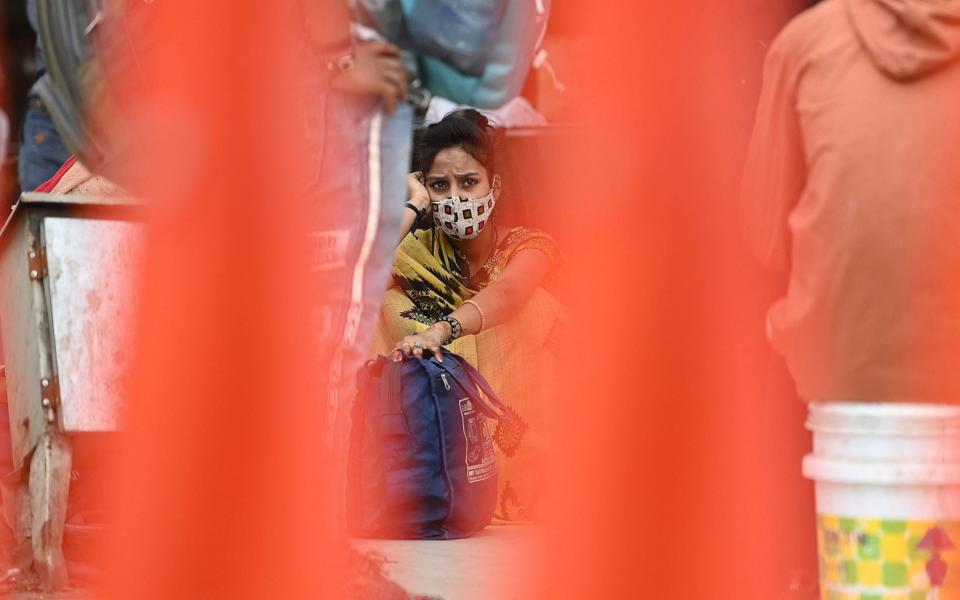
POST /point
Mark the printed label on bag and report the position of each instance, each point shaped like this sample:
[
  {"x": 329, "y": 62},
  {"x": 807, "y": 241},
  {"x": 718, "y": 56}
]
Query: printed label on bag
[{"x": 481, "y": 459}]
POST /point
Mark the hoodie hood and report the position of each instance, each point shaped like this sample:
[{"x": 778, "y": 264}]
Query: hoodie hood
[{"x": 907, "y": 38}]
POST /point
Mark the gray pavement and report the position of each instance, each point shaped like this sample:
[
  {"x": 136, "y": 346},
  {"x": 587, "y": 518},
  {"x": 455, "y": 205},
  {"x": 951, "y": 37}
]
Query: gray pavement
[
  {"x": 495, "y": 563},
  {"x": 46, "y": 596}
]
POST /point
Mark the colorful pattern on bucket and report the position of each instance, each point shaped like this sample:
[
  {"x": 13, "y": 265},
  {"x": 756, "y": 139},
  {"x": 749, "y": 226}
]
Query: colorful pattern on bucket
[{"x": 877, "y": 559}]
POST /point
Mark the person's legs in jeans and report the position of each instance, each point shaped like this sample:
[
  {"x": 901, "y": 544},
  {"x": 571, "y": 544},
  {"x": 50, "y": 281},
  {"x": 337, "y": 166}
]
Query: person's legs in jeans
[
  {"x": 42, "y": 151},
  {"x": 388, "y": 161},
  {"x": 361, "y": 178}
]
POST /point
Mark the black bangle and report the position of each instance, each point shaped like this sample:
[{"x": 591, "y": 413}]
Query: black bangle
[
  {"x": 456, "y": 329},
  {"x": 421, "y": 215}
]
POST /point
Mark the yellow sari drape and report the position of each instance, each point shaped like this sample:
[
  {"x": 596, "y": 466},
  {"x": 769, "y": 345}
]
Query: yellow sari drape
[{"x": 519, "y": 357}]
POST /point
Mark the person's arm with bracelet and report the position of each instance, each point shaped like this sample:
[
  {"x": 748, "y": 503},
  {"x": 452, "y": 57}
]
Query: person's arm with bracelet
[
  {"x": 327, "y": 23},
  {"x": 417, "y": 205},
  {"x": 370, "y": 68},
  {"x": 495, "y": 304}
]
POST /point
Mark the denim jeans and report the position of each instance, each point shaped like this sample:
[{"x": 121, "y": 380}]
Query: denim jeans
[
  {"x": 42, "y": 152},
  {"x": 361, "y": 164}
]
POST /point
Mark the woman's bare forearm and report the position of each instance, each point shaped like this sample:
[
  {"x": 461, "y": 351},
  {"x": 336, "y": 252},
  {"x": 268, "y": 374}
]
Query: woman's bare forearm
[
  {"x": 503, "y": 299},
  {"x": 418, "y": 200},
  {"x": 406, "y": 224}
]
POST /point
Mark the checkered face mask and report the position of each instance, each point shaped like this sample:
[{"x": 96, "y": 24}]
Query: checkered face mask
[{"x": 464, "y": 218}]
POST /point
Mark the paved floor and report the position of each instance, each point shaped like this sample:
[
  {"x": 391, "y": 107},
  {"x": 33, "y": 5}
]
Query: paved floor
[
  {"x": 492, "y": 564},
  {"x": 45, "y": 596}
]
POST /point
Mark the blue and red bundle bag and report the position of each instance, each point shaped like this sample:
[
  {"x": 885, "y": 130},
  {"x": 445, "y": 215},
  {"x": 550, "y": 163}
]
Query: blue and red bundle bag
[{"x": 421, "y": 460}]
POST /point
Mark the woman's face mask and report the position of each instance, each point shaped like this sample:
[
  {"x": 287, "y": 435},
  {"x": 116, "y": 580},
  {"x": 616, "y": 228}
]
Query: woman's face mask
[{"x": 464, "y": 218}]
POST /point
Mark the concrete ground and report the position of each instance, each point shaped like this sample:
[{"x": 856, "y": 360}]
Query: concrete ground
[
  {"x": 46, "y": 596},
  {"x": 493, "y": 564}
]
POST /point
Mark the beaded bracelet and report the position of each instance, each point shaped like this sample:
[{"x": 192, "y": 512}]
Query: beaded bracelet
[{"x": 456, "y": 329}]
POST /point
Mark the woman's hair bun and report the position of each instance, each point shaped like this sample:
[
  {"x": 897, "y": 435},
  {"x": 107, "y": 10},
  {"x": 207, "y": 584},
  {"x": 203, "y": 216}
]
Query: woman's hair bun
[
  {"x": 467, "y": 128},
  {"x": 473, "y": 115}
]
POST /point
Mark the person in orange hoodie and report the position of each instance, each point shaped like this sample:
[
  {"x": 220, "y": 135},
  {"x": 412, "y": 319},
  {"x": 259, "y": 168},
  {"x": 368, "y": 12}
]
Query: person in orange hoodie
[{"x": 852, "y": 185}]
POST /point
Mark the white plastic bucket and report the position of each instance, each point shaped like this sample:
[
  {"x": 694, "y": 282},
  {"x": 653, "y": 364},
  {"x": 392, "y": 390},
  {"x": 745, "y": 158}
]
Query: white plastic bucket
[{"x": 888, "y": 499}]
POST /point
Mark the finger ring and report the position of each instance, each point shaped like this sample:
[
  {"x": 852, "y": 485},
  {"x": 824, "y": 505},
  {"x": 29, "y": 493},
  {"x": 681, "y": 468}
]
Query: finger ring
[{"x": 418, "y": 345}]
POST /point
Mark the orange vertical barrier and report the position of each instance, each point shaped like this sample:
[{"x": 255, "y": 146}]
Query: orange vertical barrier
[
  {"x": 679, "y": 469},
  {"x": 7, "y": 189},
  {"x": 221, "y": 476}
]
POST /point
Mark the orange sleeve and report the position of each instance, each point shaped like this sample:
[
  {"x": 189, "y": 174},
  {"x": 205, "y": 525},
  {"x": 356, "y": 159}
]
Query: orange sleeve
[{"x": 775, "y": 169}]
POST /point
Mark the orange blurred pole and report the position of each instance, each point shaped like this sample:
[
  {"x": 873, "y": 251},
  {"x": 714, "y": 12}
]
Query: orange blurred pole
[
  {"x": 678, "y": 482},
  {"x": 222, "y": 488},
  {"x": 680, "y": 465}
]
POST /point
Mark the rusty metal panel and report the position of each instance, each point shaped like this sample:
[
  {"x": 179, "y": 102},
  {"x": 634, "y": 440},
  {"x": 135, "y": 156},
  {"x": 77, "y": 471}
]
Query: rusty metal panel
[
  {"x": 22, "y": 325},
  {"x": 90, "y": 293}
]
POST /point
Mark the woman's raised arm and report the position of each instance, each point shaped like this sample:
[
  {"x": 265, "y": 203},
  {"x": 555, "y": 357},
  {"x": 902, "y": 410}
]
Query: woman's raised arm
[{"x": 418, "y": 199}]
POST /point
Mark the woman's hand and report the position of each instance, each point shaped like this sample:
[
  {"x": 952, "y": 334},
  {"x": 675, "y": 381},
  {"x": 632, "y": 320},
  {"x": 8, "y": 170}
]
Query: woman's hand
[
  {"x": 430, "y": 340},
  {"x": 417, "y": 192},
  {"x": 377, "y": 71}
]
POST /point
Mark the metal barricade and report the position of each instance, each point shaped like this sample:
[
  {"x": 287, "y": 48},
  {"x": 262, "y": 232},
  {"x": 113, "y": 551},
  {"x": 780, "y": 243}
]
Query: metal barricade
[{"x": 65, "y": 309}]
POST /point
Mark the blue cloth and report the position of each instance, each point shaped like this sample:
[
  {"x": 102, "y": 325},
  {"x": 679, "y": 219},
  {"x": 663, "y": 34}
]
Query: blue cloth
[
  {"x": 468, "y": 32},
  {"x": 32, "y": 18},
  {"x": 507, "y": 63},
  {"x": 42, "y": 151}
]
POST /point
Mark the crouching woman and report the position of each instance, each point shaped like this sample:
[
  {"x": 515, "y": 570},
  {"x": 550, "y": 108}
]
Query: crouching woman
[{"x": 464, "y": 282}]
